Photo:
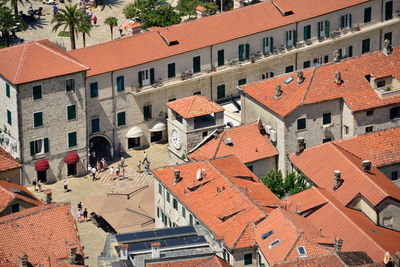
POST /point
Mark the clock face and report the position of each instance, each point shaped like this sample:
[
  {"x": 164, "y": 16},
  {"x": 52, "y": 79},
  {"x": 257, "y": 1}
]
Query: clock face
[{"x": 176, "y": 139}]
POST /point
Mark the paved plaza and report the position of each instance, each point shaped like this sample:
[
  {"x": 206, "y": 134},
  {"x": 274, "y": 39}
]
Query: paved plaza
[{"x": 92, "y": 237}]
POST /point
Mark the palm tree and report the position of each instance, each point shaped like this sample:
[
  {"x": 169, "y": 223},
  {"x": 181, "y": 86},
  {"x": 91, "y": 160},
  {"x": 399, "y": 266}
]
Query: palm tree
[
  {"x": 14, "y": 4},
  {"x": 112, "y": 22},
  {"x": 84, "y": 27},
  {"x": 69, "y": 17},
  {"x": 7, "y": 22}
]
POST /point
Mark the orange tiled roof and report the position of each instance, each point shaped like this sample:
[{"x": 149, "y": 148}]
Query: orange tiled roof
[
  {"x": 230, "y": 205},
  {"x": 7, "y": 162},
  {"x": 249, "y": 144},
  {"x": 381, "y": 148},
  {"x": 214, "y": 261},
  {"x": 10, "y": 191},
  {"x": 194, "y": 106},
  {"x": 246, "y": 239},
  {"x": 292, "y": 230},
  {"x": 44, "y": 233},
  {"x": 356, "y": 230},
  {"x": 219, "y": 28},
  {"x": 319, "y": 85},
  {"x": 319, "y": 163},
  {"x": 36, "y": 60}
]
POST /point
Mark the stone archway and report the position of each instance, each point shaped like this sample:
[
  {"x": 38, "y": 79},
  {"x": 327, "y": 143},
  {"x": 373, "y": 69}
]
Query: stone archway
[{"x": 101, "y": 145}]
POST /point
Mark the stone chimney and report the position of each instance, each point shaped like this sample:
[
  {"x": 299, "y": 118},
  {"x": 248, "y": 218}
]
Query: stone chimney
[
  {"x": 336, "y": 56},
  {"x": 300, "y": 145},
  {"x": 155, "y": 250},
  {"x": 201, "y": 11},
  {"x": 338, "y": 77},
  {"x": 366, "y": 165},
  {"x": 300, "y": 77},
  {"x": 278, "y": 90},
  {"x": 338, "y": 245},
  {"x": 123, "y": 252},
  {"x": 338, "y": 181},
  {"x": 72, "y": 255},
  {"x": 177, "y": 176},
  {"x": 48, "y": 192},
  {"x": 23, "y": 261},
  {"x": 387, "y": 47}
]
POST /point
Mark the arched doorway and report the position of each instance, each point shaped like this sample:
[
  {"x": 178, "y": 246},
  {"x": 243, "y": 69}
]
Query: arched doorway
[{"x": 101, "y": 146}]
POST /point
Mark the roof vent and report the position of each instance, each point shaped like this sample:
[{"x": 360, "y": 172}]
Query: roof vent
[
  {"x": 338, "y": 181},
  {"x": 387, "y": 47},
  {"x": 301, "y": 145},
  {"x": 366, "y": 165},
  {"x": 336, "y": 56},
  {"x": 338, "y": 245},
  {"x": 300, "y": 77},
  {"x": 338, "y": 77},
  {"x": 278, "y": 90},
  {"x": 228, "y": 141},
  {"x": 177, "y": 176}
]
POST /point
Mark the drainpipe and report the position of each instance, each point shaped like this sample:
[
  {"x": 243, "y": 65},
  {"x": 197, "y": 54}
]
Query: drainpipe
[
  {"x": 20, "y": 136},
  {"x": 211, "y": 65},
  {"x": 113, "y": 109},
  {"x": 382, "y": 10},
  {"x": 297, "y": 39},
  {"x": 86, "y": 160}
]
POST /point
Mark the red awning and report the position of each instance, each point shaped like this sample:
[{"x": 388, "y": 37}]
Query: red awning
[
  {"x": 42, "y": 165},
  {"x": 71, "y": 158}
]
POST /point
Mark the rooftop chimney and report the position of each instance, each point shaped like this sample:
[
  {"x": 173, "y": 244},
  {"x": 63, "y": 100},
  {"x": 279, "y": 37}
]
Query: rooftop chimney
[
  {"x": 300, "y": 77},
  {"x": 338, "y": 245},
  {"x": 155, "y": 250},
  {"x": 300, "y": 145},
  {"x": 23, "y": 261},
  {"x": 338, "y": 77},
  {"x": 72, "y": 255},
  {"x": 123, "y": 252},
  {"x": 278, "y": 90},
  {"x": 366, "y": 165},
  {"x": 177, "y": 176},
  {"x": 338, "y": 181},
  {"x": 387, "y": 47},
  {"x": 336, "y": 56}
]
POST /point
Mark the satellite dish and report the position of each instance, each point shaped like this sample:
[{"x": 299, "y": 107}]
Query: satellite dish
[
  {"x": 198, "y": 174},
  {"x": 386, "y": 258}
]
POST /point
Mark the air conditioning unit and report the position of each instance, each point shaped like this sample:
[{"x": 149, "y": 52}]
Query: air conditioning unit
[
  {"x": 268, "y": 129},
  {"x": 272, "y": 135}
]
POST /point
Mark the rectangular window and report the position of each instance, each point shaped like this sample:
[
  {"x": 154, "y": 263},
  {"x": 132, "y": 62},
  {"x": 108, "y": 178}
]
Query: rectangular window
[
  {"x": 267, "y": 75},
  {"x": 268, "y": 45},
  {"x": 365, "y": 46},
  {"x": 175, "y": 204},
  {"x": 388, "y": 10},
  {"x": 158, "y": 212},
  {"x": 171, "y": 70},
  {"x": 326, "y": 59},
  {"x": 70, "y": 85},
  {"x": 369, "y": 129},
  {"x": 306, "y": 64},
  {"x": 72, "y": 140},
  {"x": 301, "y": 124},
  {"x": 95, "y": 125},
  {"x": 120, "y": 83},
  {"x": 146, "y": 77},
  {"x": 248, "y": 259},
  {"x": 326, "y": 140},
  {"x": 191, "y": 219},
  {"x": 367, "y": 14},
  {"x": 350, "y": 51},
  {"x": 121, "y": 118},
  {"x": 394, "y": 113},
  {"x": 8, "y": 94},
  {"x": 290, "y": 38},
  {"x": 346, "y": 129},
  {"x": 160, "y": 189},
  {"x": 71, "y": 112},
  {"x": 14, "y": 207},
  {"x": 9, "y": 117},
  {"x": 242, "y": 81},
  {"x": 388, "y": 36},
  {"x": 220, "y": 91},
  {"x": 37, "y": 119},
  {"x": 94, "y": 90},
  {"x": 244, "y": 52},
  {"x": 196, "y": 64},
  {"x": 221, "y": 57},
  {"x": 323, "y": 29},
  {"x": 171, "y": 99},
  {"x": 289, "y": 69},
  {"x": 395, "y": 175},
  {"x": 197, "y": 93},
  {"x": 168, "y": 197},
  {"x": 307, "y": 32},
  {"x": 39, "y": 146},
  {"x": 147, "y": 114},
  {"x": 37, "y": 92},
  {"x": 183, "y": 212},
  {"x": 370, "y": 112},
  {"x": 326, "y": 118},
  {"x": 346, "y": 21}
]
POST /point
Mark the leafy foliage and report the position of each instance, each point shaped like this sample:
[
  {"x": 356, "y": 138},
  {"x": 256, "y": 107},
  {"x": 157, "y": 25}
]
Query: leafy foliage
[
  {"x": 7, "y": 22},
  {"x": 84, "y": 27},
  {"x": 112, "y": 22},
  {"x": 188, "y": 7},
  {"x": 14, "y": 4},
  {"x": 294, "y": 183}
]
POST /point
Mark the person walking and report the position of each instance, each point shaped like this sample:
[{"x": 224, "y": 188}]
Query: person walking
[
  {"x": 122, "y": 162},
  {"x": 85, "y": 214},
  {"x": 120, "y": 150},
  {"x": 80, "y": 205},
  {"x": 39, "y": 184},
  {"x": 145, "y": 159},
  {"x": 93, "y": 172},
  {"x": 94, "y": 19},
  {"x": 147, "y": 168},
  {"x": 34, "y": 183},
  {"x": 65, "y": 186},
  {"x": 79, "y": 215},
  {"x": 139, "y": 164},
  {"x": 103, "y": 164},
  {"x": 117, "y": 172}
]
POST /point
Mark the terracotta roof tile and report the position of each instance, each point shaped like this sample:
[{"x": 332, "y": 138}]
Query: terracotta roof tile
[
  {"x": 10, "y": 191},
  {"x": 356, "y": 230},
  {"x": 214, "y": 261},
  {"x": 381, "y": 148},
  {"x": 223, "y": 27},
  {"x": 249, "y": 144},
  {"x": 229, "y": 206},
  {"x": 36, "y": 60},
  {"x": 7, "y": 162},
  {"x": 319, "y": 85},
  {"x": 42, "y": 233},
  {"x": 319, "y": 163},
  {"x": 194, "y": 106},
  {"x": 246, "y": 239}
]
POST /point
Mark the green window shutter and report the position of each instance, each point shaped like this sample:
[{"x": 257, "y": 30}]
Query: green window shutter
[
  {"x": 37, "y": 119},
  {"x": 146, "y": 113},
  {"x": 305, "y": 33},
  {"x": 9, "y": 117},
  {"x": 71, "y": 112},
  {"x": 264, "y": 42},
  {"x": 72, "y": 139},
  {"x": 32, "y": 144},
  {"x": 327, "y": 28},
  {"x": 367, "y": 14},
  {"x": 271, "y": 44},
  {"x": 94, "y": 90},
  {"x": 220, "y": 91},
  {"x": 319, "y": 30},
  {"x": 350, "y": 51},
  {"x": 152, "y": 78},
  {"x": 140, "y": 78},
  {"x": 196, "y": 64},
  {"x": 120, "y": 83},
  {"x": 287, "y": 38},
  {"x": 121, "y": 118},
  {"x": 37, "y": 92},
  {"x": 306, "y": 64},
  {"x": 350, "y": 20},
  {"x": 242, "y": 81},
  {"x": 247, "y": 51},
  {"x": 46, "y": 145},
  {"x": 342, "y": 18},
  {"x": 95, "y": 125},
  {"x": 171, "y": 70},
  {"x": 294, "y": 32},
  {"x": 8, "y": 90},
  {"x": 221, "y": 57},
  {"x": 388, "y": 10},
  {"x": 241, "y": 48}
]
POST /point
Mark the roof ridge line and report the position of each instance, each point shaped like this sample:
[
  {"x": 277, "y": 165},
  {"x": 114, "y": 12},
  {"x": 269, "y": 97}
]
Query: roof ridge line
[
  {"x": 46, "y": 207},
  {"x": 244, "y": 230},
  {"x": 16, "y": 78},
  {"x": 308, "y": 87},
  {"x": 191, "y": 105}
]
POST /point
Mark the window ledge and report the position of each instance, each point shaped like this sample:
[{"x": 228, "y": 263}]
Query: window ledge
[{"x": 302, "y": 130}]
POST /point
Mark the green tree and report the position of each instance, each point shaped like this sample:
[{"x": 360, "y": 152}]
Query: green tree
[
  {"x": 7, "y": 22},
  {"x": 187, "y": 7},
  {"x": 69, "y": 17},
  {"x": 211, "y": 7},
  {"x": 14, "y": 4},
  {"x": 294, "y": 183},
  {"x": 112, "y": 22},
  {"x": 84, "y": 27}
]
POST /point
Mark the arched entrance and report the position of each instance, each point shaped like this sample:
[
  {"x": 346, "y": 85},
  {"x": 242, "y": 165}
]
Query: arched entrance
[{"x": 101, "y": 146}]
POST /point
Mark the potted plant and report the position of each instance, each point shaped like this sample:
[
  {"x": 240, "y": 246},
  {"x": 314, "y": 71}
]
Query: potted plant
[{"x": 182, "y": 76}]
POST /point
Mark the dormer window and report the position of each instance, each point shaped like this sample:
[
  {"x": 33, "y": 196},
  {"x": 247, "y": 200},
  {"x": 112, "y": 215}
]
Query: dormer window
[{"x": 302, "y": 251}]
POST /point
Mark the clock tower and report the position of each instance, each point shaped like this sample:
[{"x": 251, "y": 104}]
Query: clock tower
[{"x": 190, "y": 120}]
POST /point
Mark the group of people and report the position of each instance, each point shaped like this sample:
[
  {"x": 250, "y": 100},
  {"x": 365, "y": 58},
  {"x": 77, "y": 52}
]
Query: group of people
[
  {"x": 101, "y": 166},
  {"x": 37, "y": 185},
  {"x": 81, "y": 215},
  {"x": 144, "y": 162}
]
